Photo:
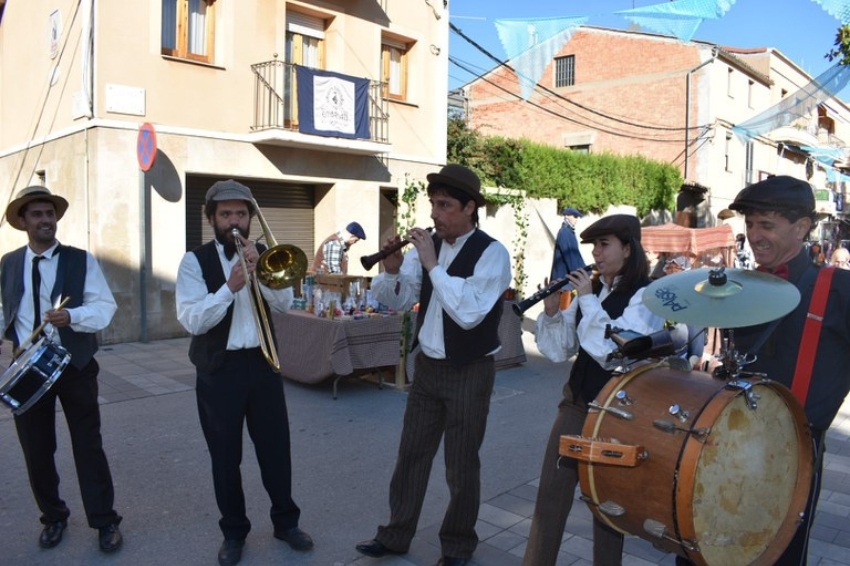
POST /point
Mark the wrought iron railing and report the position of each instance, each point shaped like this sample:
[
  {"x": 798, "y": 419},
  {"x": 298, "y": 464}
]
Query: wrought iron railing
[{"x": 276, "y": 101}]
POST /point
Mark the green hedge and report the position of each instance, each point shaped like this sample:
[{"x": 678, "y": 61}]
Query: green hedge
[{"x": 589, "y": 182}]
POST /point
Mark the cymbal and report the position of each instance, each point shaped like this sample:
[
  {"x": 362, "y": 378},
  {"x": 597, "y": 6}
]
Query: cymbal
[{"x": 728, "y": 298}]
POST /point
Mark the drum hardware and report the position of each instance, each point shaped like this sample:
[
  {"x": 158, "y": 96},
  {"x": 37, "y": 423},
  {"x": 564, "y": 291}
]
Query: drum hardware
[
  {"x": 623, "y": 398},
  {"x": 699, "y": 433},
  {"x": 658, "y": 530},
  {"x": 751, "y": 396},
  {"x": 721, "y": 298},
  {"x": 679, "y": 413},
  {"x": 619, "y": 413},
  {"x": 608, "y": 507},
  {"x": 635, "y": 347}
]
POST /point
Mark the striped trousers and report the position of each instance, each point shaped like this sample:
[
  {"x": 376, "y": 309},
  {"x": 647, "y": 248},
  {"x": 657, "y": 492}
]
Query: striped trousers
[{"x": 450, "y": 402}]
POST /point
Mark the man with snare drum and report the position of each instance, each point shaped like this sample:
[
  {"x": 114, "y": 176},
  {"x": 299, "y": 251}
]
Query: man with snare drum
[{"x": 32, "y": 279}]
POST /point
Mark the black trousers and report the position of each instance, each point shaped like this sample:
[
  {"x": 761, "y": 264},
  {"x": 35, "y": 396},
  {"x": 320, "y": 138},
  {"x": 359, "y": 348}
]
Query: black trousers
[
  {"x": 77, "y": 391},
  {"x": 246, "y": 390},
  {"x": 444, "y": 403}
]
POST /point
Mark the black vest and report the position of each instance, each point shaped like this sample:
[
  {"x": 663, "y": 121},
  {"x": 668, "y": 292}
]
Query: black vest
[
  {"x": 587, "y": 377},
  {"x": 207, "y": 351},
  {"x": 70, "y": 282},
  {"x": 462, "y": 346}
]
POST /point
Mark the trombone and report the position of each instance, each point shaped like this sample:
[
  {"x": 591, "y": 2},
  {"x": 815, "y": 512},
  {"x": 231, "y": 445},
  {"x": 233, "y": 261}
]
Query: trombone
[{"x": 280, "y": 266}]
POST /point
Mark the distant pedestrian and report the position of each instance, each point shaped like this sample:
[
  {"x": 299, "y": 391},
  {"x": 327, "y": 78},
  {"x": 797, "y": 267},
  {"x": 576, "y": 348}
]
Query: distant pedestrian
[{"x": 566, "y": 257}]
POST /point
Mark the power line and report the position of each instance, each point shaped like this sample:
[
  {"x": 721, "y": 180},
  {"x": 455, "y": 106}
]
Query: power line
[
  {"x": 574, "y": 120},
  {"x": 558, "y": 96}
]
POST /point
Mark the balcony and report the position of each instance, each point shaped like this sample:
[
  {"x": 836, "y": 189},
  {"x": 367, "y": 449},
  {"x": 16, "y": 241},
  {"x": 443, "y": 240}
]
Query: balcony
[{"x": 276, "y": 115}]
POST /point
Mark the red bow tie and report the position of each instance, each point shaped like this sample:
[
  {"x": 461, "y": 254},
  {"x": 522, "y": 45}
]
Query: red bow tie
[{"x": 781, "y": 271}]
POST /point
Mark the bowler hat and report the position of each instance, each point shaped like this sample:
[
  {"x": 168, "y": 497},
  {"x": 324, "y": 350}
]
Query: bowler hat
[
  {"x": 624, "y": 226},
  {"x": 777, "y": 193},
  {"x": 229, "y": 190},
  {"x": 461, "y": 178},
  {"x": 355, "y": 229},
  {"x": 29, "y": 194},
  {"x": 571, "y": 212}
]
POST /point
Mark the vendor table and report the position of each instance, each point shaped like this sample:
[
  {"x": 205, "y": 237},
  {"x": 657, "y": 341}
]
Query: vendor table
[{"x": 312, "y": 349}]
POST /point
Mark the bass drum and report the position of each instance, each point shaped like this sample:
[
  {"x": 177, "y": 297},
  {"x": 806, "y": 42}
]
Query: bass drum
[{"x": 721, "y": 473}]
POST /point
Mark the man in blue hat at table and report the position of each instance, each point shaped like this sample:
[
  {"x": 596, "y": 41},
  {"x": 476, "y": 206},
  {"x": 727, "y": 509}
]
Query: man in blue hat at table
[{"x": 332, "y": 254}]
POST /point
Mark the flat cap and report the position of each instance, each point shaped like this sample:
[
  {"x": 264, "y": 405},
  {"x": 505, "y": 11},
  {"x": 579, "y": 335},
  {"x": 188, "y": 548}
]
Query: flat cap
[
  {"x": 229, "y": 190},
  {"x": 624, "y": 226},
  {"x": 355, "y": 229},
  {"x": 780, "y": 192},
  {"x": 571, "y": 212}
]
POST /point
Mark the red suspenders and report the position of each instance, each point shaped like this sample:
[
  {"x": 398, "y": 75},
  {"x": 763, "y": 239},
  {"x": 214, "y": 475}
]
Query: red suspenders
[{"x": 811, "y": 335}]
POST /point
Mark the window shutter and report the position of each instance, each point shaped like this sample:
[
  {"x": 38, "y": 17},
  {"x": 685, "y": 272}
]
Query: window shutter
[{"x": 310, "y": 26}]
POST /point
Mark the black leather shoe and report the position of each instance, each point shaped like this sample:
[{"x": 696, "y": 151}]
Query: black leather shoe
[
  {"x": 452, "y": 561},
  {"x": 51, "y": 534},
  {"x": 110, "y": 538},
  {"x": 375, "y": 548},
  {"x": 230, "y": 552},
  {"x": 295, "y": 538}
]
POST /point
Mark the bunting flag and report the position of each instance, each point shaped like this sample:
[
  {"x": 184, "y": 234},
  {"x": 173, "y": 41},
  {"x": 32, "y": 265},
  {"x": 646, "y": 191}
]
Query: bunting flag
[
  {"x": 332, "y": 104},
  {"x": 826, "y": 155},
  {"x": 680, "y": 19},
  {"x": 801, "y": 103},
  {"x": 839, "y": 9},
  {"x": 531, "y": 45}
]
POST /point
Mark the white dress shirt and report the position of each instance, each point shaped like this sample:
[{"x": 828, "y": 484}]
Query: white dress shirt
[
  {"x": 93, "y": 315},
  {"x": 467, "y": 301},
  {"x": 199, "y": 311},
  {"x": 558, "y": 338}
]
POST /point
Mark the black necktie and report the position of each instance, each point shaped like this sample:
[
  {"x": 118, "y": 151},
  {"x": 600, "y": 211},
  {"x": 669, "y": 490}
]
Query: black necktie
[{"x": 36, "y": 292}]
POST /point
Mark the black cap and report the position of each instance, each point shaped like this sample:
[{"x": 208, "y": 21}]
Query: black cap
[
  {"x": 624, "y": 226},
  {"x": 777, "y": 193}
]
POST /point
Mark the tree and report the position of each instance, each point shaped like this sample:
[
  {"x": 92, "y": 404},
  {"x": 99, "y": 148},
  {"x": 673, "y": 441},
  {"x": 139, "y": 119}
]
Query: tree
[{"x": 841, "y": 50}]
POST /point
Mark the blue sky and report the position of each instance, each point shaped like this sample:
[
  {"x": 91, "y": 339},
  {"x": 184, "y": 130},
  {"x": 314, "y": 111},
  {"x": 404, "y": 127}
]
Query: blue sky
[{"x": 800, "y": 29}]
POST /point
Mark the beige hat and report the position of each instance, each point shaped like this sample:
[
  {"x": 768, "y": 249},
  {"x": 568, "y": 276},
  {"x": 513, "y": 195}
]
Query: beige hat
[{"x": 30, "y": 194}]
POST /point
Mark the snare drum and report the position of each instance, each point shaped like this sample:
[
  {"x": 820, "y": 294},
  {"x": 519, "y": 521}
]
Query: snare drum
[
  {"x": 718, "y": 473},
  {"x": 32, "y": 374}
]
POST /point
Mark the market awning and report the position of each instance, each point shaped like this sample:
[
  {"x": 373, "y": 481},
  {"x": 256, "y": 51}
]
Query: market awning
[{"x": 672, "y": 238}]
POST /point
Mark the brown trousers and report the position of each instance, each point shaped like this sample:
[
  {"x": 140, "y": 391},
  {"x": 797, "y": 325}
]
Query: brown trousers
[
  {"x": 558, "y": 480},
  {"x": 451, "y": 402}
]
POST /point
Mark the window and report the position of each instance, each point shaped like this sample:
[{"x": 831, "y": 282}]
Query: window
[
  {"x": 751, "y": 94},
  {"x": 188, "y": 29},
  {"x": 729, "y": 83},
  {"x": 394, "y": 69},
  {"x": 727, "y": 150},
  {"x": 565, "y": 71},
  {"x": 305, "y": 37}
]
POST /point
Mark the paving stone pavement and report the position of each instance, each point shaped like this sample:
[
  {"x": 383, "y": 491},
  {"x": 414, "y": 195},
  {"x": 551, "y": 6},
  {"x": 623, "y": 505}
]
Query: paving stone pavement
[{"x": 343, "y": 453}]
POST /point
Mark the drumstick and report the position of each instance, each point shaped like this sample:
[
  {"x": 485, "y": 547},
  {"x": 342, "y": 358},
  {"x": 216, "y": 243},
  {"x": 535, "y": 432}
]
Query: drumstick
[{"x": 20, "y": 349}]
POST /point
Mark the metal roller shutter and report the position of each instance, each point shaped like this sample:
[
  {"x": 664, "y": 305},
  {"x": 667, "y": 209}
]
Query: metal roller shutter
[{"x": 288, "y": 210}]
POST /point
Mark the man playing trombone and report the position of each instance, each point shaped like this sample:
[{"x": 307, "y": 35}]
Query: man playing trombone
[{"x": 236, "y": 380}]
